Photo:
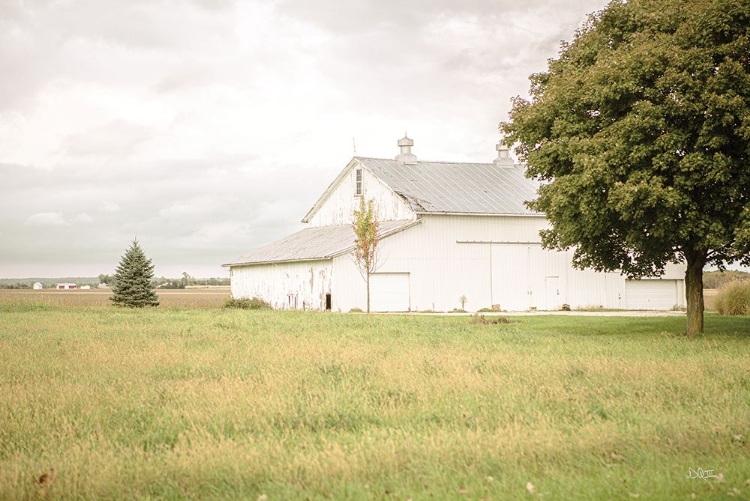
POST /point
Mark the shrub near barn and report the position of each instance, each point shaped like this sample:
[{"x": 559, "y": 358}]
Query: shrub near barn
[{"x": 244, "y": 303}]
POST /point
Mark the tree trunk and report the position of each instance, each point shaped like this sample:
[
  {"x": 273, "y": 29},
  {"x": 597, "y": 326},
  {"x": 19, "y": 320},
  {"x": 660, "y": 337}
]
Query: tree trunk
[
  {"x": 368, "y": 292},
  {"x": 694, "y": 292}
]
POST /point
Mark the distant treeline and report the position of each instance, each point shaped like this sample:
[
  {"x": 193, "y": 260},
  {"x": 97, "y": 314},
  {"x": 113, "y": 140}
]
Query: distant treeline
[
  {"x": 711, "y": 280},
  {"x": 17, "y": 285},
  {"x": 172, "y": 283},
  {"x": 715, "y": 279},
  {"x": 181, "y": 283},
  {"x": 162, "y": 282},
  {"x": 27, "y": 283}
]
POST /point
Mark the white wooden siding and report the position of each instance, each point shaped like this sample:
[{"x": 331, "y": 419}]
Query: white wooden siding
[
  {"x": 342, "y": 202},
  {"x": 348, "y": 288},
  {"x": 525, "y": 276},
  {"x": 491, "y": 260},
  {"x": 441, "y": 270},
  {"x": 300, "y": 285},
  {"x": 590, "y": 289},
  {"x": 673, "y": 272}
]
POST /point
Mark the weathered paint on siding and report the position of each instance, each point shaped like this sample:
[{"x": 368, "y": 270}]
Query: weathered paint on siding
[
  {"x": 300, "y": 285},
  {"x": 342, "y": 202}
]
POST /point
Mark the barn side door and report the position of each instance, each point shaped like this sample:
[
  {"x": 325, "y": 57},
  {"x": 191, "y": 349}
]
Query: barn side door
[{"x": 552, "y": 297}]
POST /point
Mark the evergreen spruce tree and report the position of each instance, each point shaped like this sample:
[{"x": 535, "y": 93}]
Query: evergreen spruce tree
[{"x": 133, "y": 280}]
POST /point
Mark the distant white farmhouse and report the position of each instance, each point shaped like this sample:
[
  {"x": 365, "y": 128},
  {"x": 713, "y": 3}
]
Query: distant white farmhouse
[
  {"x": 448, "y": 230},
  {"x": 38, "y": 286},
  {"x": 65, "y": 286}
]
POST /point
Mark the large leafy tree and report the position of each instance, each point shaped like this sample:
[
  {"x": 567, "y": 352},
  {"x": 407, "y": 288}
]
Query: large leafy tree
[
  {"x": 367, "y": 237},
  {"x": 640, "y": 132},
  {"x": 133, "y": 279}
]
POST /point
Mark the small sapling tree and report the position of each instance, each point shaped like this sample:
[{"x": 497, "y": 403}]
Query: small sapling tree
[
  {"x": 367, "y": 237},
  {"x": 133, "y": 278}
]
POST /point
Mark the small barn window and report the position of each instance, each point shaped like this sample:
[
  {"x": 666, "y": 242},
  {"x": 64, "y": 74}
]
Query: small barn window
[
  {"x": 358, "y": 187},
  {"x": 329, "y": 303}
]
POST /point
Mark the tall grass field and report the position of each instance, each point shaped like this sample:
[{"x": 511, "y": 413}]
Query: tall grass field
[{"x": 181, "y": 403}]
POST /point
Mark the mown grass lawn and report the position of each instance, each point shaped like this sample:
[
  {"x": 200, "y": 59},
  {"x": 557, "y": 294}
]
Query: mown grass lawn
[{"x": 226, "y": 404}]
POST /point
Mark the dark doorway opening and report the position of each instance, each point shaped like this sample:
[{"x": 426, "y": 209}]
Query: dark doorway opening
[{"x": 328, "y": 302}]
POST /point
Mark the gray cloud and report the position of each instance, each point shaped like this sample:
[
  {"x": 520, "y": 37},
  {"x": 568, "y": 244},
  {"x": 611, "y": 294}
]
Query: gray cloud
[{"x": 208, "y": 128}]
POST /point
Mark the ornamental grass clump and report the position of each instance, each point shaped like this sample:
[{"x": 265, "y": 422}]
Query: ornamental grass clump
[{"x": 734, "y": 299}]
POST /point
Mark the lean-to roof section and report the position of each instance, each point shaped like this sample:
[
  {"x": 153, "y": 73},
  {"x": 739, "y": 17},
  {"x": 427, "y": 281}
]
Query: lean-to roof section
[{"x": 313, "y": 244}]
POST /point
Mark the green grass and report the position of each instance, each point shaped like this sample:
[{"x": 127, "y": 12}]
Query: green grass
[{"x": 231, "y": 404}]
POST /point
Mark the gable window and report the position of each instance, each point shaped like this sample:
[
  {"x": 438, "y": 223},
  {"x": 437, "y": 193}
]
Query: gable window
[{"x": 358, "y": 186}]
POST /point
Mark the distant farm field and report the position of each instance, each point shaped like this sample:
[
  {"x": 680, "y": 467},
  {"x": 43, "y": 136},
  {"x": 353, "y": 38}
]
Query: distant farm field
[
  {"x": 191, "y": 403},
  {"x": 209, "y": 297},
  {"x": 709, "y": 298}
]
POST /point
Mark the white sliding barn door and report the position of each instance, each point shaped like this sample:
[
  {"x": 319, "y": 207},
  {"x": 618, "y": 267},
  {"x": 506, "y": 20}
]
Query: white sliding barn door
[{"x": 510, "y": 277}]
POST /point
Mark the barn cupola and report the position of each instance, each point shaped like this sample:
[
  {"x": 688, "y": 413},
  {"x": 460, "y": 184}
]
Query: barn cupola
[
  {"x": 503, "y": 155},
  {"x": 406, "y": 156}
]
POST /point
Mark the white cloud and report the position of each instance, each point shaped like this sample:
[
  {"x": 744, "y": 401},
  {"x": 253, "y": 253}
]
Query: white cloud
[
  {"x": 188, "y": 208},
  {"x": 83, "y": 218},
  {"x": 46, "y": 219},
  {"x": 109, "y": 207},
  {"x": 116, "y": 138}
]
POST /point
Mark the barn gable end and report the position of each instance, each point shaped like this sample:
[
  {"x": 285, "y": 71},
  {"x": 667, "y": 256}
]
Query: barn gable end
[{"x": 338, "y": 202}]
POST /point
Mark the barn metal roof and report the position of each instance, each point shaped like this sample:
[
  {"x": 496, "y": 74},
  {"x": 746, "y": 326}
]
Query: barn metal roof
[
  {"x": 457, "y": 188},
  {"x": 314, "y": 243}
]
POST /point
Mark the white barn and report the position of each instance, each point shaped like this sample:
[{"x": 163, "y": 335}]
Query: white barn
[{"x": 448, "y": 230}]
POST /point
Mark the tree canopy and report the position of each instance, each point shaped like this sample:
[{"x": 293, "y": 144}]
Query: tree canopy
[
  {"x": 133, "y": 277},
  {"x": 640, "y": 132}
]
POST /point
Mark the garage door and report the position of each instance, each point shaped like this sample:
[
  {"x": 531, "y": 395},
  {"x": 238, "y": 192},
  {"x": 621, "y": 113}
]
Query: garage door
[
  {"x": 389, "y": 292},
  {"x": 650, "y": 294}
]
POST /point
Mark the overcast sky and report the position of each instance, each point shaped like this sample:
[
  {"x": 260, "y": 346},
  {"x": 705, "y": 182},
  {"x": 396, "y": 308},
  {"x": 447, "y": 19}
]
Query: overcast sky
[{"x": 207, "y": 128}]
